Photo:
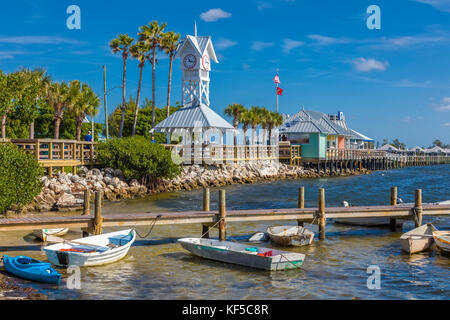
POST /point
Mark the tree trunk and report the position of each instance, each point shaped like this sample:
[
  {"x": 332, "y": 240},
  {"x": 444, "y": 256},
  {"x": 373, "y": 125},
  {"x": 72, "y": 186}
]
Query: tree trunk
[
  {"x": 31, "y": 130},
  {"x": 153, "y": 85},
  {"x": 133, "y": 130},
  {"x": 122, "y": 119},
  {"x": 253, "y": 135},
  {"x": 245, "y": 134},
  {"x": 3, "y": 126},
  {"x": 79, "y": 124},
  {"x": 235, "y": 125},
  {"x": 57, "y": 124},
  {"x": 169, "y": 87}
]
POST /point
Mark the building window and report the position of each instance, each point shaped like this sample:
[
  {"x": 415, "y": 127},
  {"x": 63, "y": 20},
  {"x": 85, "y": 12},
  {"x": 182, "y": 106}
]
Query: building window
[{"x": 300, "y": 138}]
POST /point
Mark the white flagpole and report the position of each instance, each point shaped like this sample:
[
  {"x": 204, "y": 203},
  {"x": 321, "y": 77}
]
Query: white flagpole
[{"x": 277, "y": 91}]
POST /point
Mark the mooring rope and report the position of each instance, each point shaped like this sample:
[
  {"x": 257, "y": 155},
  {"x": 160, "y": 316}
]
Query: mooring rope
[
  {"x": 211, "y": 228},
  {"x": 151, "y": 228},
  {"x": 416, "y": 219}
]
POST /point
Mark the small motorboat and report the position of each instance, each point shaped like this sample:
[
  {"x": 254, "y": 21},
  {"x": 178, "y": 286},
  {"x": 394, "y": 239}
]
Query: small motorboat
[
  {"x": 442, "y": 239},
  {"x": 259, "y": 237},
  {"x": 91, "y": 251},
  {"x": 242, "y": 254},
  {"x": 44, "y": 233},
  {"x": 367, "y": 222},
  {"x": 290, "y": 235},
  {"x": 418, "y": 239},
  {"x": 31, "y": 269}
]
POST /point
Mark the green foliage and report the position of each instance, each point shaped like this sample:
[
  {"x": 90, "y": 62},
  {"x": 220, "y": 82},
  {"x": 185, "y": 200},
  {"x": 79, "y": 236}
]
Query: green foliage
[
  {"x": 19, "y": 177},
  {"x": 144, "y": 121},
  {"x": 138, "y": 158}
]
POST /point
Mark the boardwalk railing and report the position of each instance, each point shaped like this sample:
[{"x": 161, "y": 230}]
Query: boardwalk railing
[
  {"x": 52, "y": 153},
  {"x": 217, "y": 154},
  {"x": 354, "y": 154}
]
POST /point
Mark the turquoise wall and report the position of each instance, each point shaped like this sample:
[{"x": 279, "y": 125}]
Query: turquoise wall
[{"x": 317, "y": 146}]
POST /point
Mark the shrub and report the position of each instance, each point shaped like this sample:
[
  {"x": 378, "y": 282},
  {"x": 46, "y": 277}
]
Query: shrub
[
  {"x": 19, "y": 177},
  {"x": 138, "y": 158}
]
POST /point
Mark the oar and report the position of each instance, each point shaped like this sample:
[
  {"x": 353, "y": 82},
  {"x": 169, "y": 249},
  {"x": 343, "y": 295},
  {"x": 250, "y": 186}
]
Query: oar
[{"x": 61, "y": 240}]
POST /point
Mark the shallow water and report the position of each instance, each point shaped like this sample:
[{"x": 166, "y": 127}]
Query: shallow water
[{"x": 158, "y": 268}]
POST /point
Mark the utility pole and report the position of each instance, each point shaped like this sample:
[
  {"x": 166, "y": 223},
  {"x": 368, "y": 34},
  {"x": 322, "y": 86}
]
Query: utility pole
[{"x": 104, "y": 100}]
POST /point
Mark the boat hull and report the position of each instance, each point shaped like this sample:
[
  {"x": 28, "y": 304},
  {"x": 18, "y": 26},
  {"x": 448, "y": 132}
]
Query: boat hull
[
  {"x": 442, "y": 239},
  {"x": 43, "y": 233},
  {"x": 418, "y": 239},
  {"x": 290, "y": 236},
  {"x": 235, "y": 253},
  {"x": 32, "y": 270},
  {"x": 65, "y": 259}
]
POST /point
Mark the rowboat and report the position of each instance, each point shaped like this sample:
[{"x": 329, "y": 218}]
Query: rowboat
[
  {"x": 43, "y": 233},
  {"x": 418, "y": 239},
  {"x": 290, "y": 235},
  {"x": 442, "y": 239},
  {"x": 242, "y": 254},
  {"x": 31, "y": 269},
  {"x": 259, "y": 237},
  {"x": 91, "y": 251}
]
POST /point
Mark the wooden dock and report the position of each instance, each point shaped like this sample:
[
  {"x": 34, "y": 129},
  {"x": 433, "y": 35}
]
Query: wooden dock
[{"x": 219, "y": 218}]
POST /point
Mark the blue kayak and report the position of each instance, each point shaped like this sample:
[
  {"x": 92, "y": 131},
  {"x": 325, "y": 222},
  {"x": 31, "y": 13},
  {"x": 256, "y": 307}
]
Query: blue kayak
[{"x": 31, "y": 269}]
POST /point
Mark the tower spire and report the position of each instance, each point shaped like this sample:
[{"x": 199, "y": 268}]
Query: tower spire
[{"x": 195, "y": 28}]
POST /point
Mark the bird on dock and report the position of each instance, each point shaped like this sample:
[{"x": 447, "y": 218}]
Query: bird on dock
[
  {"x": 345, "y": 204},
  {"x": 399, "y": 200}
]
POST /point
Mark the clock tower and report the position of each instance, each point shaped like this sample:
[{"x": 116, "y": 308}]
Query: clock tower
[{"x": 196, "y": 54}]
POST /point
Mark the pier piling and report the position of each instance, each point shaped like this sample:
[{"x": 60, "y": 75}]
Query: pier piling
[
  {"x": 393, "y": 221},
  {"x": 301, "y": 202},
  {"x": 418, "y": 207},
  {"x": 206, "y": 200},
  {"x": 321, "y": 214},
  {"x": 222, "y": 216},
  {"x": 97, "y": 228}
]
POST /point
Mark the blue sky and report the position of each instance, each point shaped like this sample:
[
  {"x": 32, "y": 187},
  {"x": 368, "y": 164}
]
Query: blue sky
[{"x": 390, "y": 83}]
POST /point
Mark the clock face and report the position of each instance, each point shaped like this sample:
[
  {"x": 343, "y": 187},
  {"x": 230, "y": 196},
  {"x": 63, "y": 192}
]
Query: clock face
[
  {"x": 189, "y": 61},
  {"x": 206, "y": 62}
]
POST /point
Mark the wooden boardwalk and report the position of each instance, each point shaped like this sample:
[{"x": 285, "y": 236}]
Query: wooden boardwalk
[{"x": 221, "y": 217}]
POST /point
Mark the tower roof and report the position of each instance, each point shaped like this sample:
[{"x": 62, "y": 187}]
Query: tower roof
[
  {"x": 190, "y": 117},
  {"x": 201, "y": 44}
]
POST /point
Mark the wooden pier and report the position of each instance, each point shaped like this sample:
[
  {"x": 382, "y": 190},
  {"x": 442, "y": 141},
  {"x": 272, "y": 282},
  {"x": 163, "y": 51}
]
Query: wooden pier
[{"x": 220, "y": 218}]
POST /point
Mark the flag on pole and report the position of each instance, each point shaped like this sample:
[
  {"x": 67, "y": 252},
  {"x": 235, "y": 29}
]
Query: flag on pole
[
  {"x": 279, "y": 91},
  {"x": 276, "y": 79}
]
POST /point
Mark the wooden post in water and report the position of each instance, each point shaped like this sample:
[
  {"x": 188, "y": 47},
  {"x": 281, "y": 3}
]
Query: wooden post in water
[
  {"x": 206, "y": 200},
  {"x": 301, "y": 202},
  {"x": 222, "y": 215},
  {"x": 86, "y": 210},
  {"x": 393, "y": 221},
  {"x": 98, "y": 213},
  {"x": 322, "y": 219},
  {"x": 418, "y": 207}
]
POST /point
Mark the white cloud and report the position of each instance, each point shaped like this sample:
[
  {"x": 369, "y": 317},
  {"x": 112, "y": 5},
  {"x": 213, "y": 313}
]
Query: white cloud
[
  {"x": 411, "y": 84},
  {"x": 407, "y": 41},
  {"x": 214, "y": 15},
  {"x": 260, "y": 45},
  {"x": 444, "y": 106},
  {"x": 368, "y": 65},
  {"x": 447, "y": 124},
  {"x": 324, "y": 40},
  {"x": 261, "y": 5},
  {"x": 223, "y": 44},
  {"x": 443, "y": 5},
  {"x": 289, "y": 44}
]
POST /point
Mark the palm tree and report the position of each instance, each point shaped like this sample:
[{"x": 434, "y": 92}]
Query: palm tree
[
  {"x": 139, "y": 51},
  {"x": 235, "y": 110},
  {"x": 86, "y": 102},
  {"x": 245, "y": 118},
  {"x": 264, "y": 118},
  {"x": 58, "y": 98},
  {"x": 153, "y": 35},
  {"x": 170, "y": 45},
  {"x": 274, "y": 120},
  {"x": 122, "y": 43},
  {"x": 254, "y": 121}
]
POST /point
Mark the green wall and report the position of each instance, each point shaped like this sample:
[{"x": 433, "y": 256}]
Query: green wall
[{"x": 312, "y": 150}]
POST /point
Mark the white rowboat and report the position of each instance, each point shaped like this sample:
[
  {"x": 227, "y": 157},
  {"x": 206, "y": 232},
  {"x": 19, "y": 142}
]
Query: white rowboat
[
  {"x": 418, "y": 239},
  {"x": 242, "y": 254},
  {"x": 43, "y": 233},
  {"x": 442, "y": 239},
  {"x": 91, "y": 251},
  {"x": 290, "y": 235}
]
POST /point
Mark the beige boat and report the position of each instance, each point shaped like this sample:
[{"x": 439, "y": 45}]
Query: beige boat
[
  {"x": 44, "y": 233},
  {"x": 442, "y": 239},
  {"x": 418, "y": 239},
  {"x": 290, "y": 235}
]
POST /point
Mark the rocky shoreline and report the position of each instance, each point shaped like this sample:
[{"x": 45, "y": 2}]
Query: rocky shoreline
[{"x": 65, "y": 191}]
